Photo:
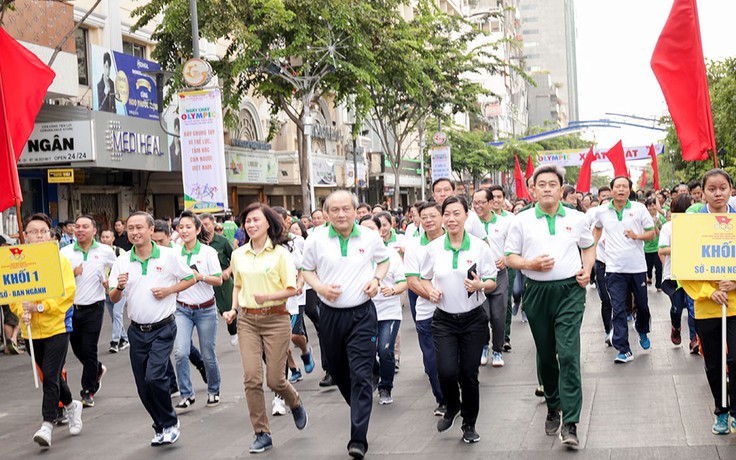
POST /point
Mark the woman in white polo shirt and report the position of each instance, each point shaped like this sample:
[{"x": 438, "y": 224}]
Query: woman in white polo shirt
[
  {"x": 460, "y": 267},
  {"x": 196, "y": 308},
  {"x": 388, "y": 311}
]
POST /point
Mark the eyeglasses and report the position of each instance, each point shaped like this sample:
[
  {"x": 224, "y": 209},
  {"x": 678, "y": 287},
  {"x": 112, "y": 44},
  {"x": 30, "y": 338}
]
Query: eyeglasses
[
  {"x": 38, "y": 232},
  {"x": 218, "y": 229}
]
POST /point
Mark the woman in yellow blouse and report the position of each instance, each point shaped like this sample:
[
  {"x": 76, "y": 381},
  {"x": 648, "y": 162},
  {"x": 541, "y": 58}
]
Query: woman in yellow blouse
[{"x": 264, "y": 276}]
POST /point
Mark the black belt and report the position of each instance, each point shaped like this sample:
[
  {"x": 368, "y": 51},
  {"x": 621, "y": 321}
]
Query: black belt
[
  {"x": 99, "y": 303},
  {"x": 463, "y": 315},
  {"x": 153, "y": 326}
]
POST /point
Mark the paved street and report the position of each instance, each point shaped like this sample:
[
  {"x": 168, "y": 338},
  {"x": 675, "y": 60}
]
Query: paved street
[{"x": 657, "y": 407}]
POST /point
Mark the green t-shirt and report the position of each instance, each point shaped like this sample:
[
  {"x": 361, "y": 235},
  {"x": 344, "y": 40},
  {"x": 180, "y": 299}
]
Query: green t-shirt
[
  {"x": 228, "y": 230},
  {"x": 694, "y": 208},
  {"x": 653, "y": 246}
]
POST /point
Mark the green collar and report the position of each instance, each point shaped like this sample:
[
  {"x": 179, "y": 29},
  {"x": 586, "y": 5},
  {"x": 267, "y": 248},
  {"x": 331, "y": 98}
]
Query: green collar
[
  {"x": 79, "y": 248},
  {"x": 355, "y": 232},
  {"x": 465, "y": 246},
  {"x": 195, "y": 250},
  {"x": 391, "y": 238},
  {"x": 155, "y": 254},
  {"x": 551, "y": 219},
  {"x": 423, "y": 241},
  {"x": 619, "y": 214}
]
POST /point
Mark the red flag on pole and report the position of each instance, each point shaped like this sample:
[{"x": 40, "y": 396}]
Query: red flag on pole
[
  {"x": 24, "y": 80},
  {"x": 655, "y": 171},
  {"x": 643, "y": 183},
  {"x": 679, "y": 66},
  {"x": 521, "y": 191},
  {"x": 585, "y": 173},
  {"x": 529, "y": 168},
  {"x": 616, "y": 157}
]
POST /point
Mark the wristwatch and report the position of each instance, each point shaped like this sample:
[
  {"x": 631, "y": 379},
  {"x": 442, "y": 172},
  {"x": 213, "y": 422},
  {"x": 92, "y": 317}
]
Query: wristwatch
[
  {"x": 39, "y": 307},
  {"x": 377, "y": 279}
]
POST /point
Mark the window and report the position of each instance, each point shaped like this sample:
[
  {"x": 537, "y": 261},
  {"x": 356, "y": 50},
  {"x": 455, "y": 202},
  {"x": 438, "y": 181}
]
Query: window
[
  {"x": 135, "y": 49},
  {"x": 80, "y": 40}
]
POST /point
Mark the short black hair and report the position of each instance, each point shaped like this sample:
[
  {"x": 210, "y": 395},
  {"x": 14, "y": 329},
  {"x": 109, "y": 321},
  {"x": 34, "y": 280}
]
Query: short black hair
[
  {"x": 693, "y": 185},
  {"x": 281, "y": 211},
  {"x": 437, "y": 181},
  {"x": 497, "y": 188},
  {"x": 717, "y": 172},
  {"x": 546, "y": 169},
  {"x": 428, "y": 205},
  {"x": 455, "y": 199},
  {"x": 372, "y": 218},
  {"x": 487, "y": 192},
  {"x": 605, "y": 188},
  {"x": 106, "y": 59},
  {"x": 364, "y": 205},
  {"x": 160, "y": 225},
  {"x": 628, "y": 179},
  {"x": 40, "y": 217}
]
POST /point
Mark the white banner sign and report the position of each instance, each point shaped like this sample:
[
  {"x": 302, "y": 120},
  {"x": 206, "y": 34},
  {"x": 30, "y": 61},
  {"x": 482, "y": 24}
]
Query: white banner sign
[
  {"x": 251, "y": 168},
  {"x": 350, "y": 176},
  {"x": 323, "y": 171},
  {"x": 59, "y": 142},
  {"x": 441, "y": 162},
  {"x": 575, "y": 157},
  {"x": 203, "y": 151}
]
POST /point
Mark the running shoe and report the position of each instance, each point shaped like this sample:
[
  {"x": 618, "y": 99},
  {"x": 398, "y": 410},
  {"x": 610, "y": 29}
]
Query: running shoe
[
  {"x": 675, "y": 336},
  {"x": 296, "y": 376},
  {"x": 497, "y": 359},
  {"x": 447, "y": 422},
  {"x": 43, "y": 435},
  {"x": 114, "y": 347},
  {"x": 721, "y": 424},
  {"x": 484, "y": 356},
  {"x": 470, "y": 435},
  {"x": 278, "y": 406},
  {"x": 384, "y": 396},
  {"x": 553, "y": 422},
  {"x": 624, "y": 357},
  {"x": 308, "y": 361},
  {"x": 261, "y": 444},
  {"x": 644, "y": 341},
  {"x": 569, "y": 435}
]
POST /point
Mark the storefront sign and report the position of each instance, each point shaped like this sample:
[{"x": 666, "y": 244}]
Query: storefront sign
[
  {"x": 575, "y": 157},
  {"x": 326, "y": 132},
  {"x": 246, "y": 144},
  {"x": 441, "y": 162},
  {"x": 203, "y": 150},
  {"x": 123, "y": 86},
  {"x": 60, "y": 176},
  {"x": 705, "y": 246},
  {"x": 251, "y": 168},
  {"x": 129, "y": 143},
  {"x": 30, "y": 272},
  {"x": 59, "y": 142}
]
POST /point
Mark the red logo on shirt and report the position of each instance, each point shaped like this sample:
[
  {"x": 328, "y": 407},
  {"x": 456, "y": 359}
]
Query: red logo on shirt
[
  {"x": 469, "y": 261},
  {"x": 569, "y": 229},
  {"x": 361, "y": 251},
  {"x": 159, "y": 269}
]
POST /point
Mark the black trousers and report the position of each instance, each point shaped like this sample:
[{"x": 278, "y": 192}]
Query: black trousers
[
  {"x": 149, "y": 356},
  {"x": 86, "y": 327},
  {"x": 349, "y": 337},
  {"x": 458, "y": 344},
  {"x": 654, "y": 263},
  {"x": 599, "y": 268},
  {"x": 50, "y": 356},
  {"x": 709, "y": 335},
  {"x": 312, "y": 309},
  {"x": 497, "y": 303}
]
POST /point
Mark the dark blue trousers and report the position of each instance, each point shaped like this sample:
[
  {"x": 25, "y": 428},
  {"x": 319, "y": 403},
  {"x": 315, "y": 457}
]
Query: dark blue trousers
[
  {"x": 349, "y": 338},
  {"x": 619, "y": 285},
  {"x": 149, "y": 356},
  {"x": 600, "y": 282},
  {"x": 413, "y": 297},
  {"x": 426, "y": 344}
]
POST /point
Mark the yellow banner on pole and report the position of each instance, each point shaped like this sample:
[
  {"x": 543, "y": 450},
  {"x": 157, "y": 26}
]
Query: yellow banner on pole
[
  {"x": 30, "y": 272},
  {"x": 703, "y": 246}
]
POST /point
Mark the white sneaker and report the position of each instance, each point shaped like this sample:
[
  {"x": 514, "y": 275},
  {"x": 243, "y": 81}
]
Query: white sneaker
[
  {"x": 170, "y": 434},
  {"x": 43, "y": 435},
  {"x": 74, "y": 413},
  {"x": 497, "y": 360},
  {"x": 279, "y": 407},
  {"x": 484, "y": 356},
  {"x": 234, "y": 340}
]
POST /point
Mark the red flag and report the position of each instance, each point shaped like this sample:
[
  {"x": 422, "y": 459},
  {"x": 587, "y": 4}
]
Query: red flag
[
  {"x": 679, "y": 66},
  {"x": 584, "y": 176},
  {"x": 24, "y": 80},
  {"x": 529, "y": 168},
  {"x": 616, "y": 157},
  {"x": 521, "y": 191},
  {"x": 655, "y": 171},
  {"x": 643, "y": 183}
]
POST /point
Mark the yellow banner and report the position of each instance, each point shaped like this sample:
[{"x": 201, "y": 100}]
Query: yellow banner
[
  {"x": 30, "y": 272},
  {"x": 703, "y": 246}
]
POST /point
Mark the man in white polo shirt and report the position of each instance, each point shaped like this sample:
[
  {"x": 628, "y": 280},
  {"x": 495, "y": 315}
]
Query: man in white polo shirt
[
  {"x": 554, "y": 248},
  {"x": 626, "y": 225},
  {"x": 152, "y": 276},
  {"x": 338, "y": 263},
  {"x": 90, "y": 261}
]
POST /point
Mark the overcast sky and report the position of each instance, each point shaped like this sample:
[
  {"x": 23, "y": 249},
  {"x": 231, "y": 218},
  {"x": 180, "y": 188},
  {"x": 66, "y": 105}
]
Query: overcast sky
[{"x": 615, "y": 41}]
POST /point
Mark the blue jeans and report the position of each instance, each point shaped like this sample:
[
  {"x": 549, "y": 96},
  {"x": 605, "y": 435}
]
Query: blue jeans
[
  {"x": 426, "y": 344},
  {"x": 116, "y": 313},
  {"x": 385, "y": 367},
  {"x": 413, "y": 304},
  {"x": 619, "y": 285},
  {"x": 205, "y": 319}
]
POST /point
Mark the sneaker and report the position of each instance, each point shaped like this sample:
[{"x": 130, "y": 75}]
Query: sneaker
[
  {"x": 43, "y": 435},
  {"x": 203, "y": 373},
  {"x": 447, "y": 421},
  {"x": 675, "y": 336},
  {"x": 721, "y": 424},
  {"x": 279, "y": 407},
  {"x": 296, "y": 376},
  {"x": 553, "y": 422},
  {"x": 261, "y": 444},
  {"x": 440, "y": 410},
  {"x": 524, "y": 319},
  {"x": 356, "y": 450},
  {"x": 624, "y": 357},
  {"x": 123, "y": 344},
  {"x": 234, "y": 341},
  {"x": 384, "y": 396},
  {"x": 644, "y": 341},
  {"x": 213, "y": 400},
  {"x": 732, "y": 424},
  {"x": 484, "y": 356},
  {"x": 185, "y": 403},
  {"x": 88, "y": 399},
  {"x": 515, "y": 309},
  {"x": 397, "y": 364},
  {"x": 174, "y": 392},
  {"x": 170, "y": 434},
  {"x": 507, "y": 346},
  {"x": 114, "y": 348},
  {"x": 301, "y": 418},
  {"x": 609, "y": 338},
  {"x": 61, "y": 417},
  {"x": 470, "y": 435},
  {"x": 327, "y": 381},
  {"x": 569, "y": 435},
  {"x": 497, "y": 360},
  {"x": 100, "y": 373},
  {"x": 74, "y": 414},
  {"x": 539, "y": 391},
  {"x": 308, "y": 361},
  {"x": 158, "y": 439},
  {"x": 12, "y": 347},
  {"x": 629, "y": 318},
  {"x": 694, "y": 347}
]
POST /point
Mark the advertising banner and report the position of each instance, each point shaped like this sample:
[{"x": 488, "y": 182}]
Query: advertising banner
[
  {"x": 30, "y": 272},
  {"x": 58, "y": 142},
  {"x": 203, "y": 150},
  {"x": 441, "y": 162},
  {"x": 251, "y": 168},
  {"x": 119, "y": 84},
  {"x": 350, "y": 174},
  {"x": 323, "y": 172},
  {"x": 703, "y": 246},
  {"x": 575, "y": 157}
]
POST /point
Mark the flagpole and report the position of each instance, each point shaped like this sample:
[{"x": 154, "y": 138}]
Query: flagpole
[{"x": 20, "y": 221}]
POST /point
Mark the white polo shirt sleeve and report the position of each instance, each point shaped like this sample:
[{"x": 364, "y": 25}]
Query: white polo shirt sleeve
[
  {"x": 487, "y": 266},
  {"x": 380, "y": 251},
  {"x": 586, "y": 239},
  {"x": 515, "y": 236},
  {"x": 474, "y": 226},
  {"x": 309, "y": 256}
]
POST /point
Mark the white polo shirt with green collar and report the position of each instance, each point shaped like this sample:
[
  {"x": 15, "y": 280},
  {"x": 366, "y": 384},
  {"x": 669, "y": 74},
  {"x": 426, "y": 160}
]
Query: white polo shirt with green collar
[
  {"x": 447, "y": 267},
  {"x": 623, "y": 254},
  {"x": 395, "y": 241},
  {"x": 560, "y": 235},
  {"x": 414, "y": 256},
  {"x": 347, "y": 262},
  {"x": 96, "y": 262},
  {"x": 388, "y": 308},
  {"x": 164, "y": 268},
  {"x": 497, "y": 229},
  {"x": 205, "y": 259}
]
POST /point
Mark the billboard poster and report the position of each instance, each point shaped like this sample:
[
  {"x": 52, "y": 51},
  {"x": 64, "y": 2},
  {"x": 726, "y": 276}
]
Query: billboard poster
[
  {"x": 251, "y": 168},
  {"x": 441, "y": 162},
  {"x": 203, "y": 150},
  {"x": 119, "y": 84},
  {"x": 575, "y": 157}
]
